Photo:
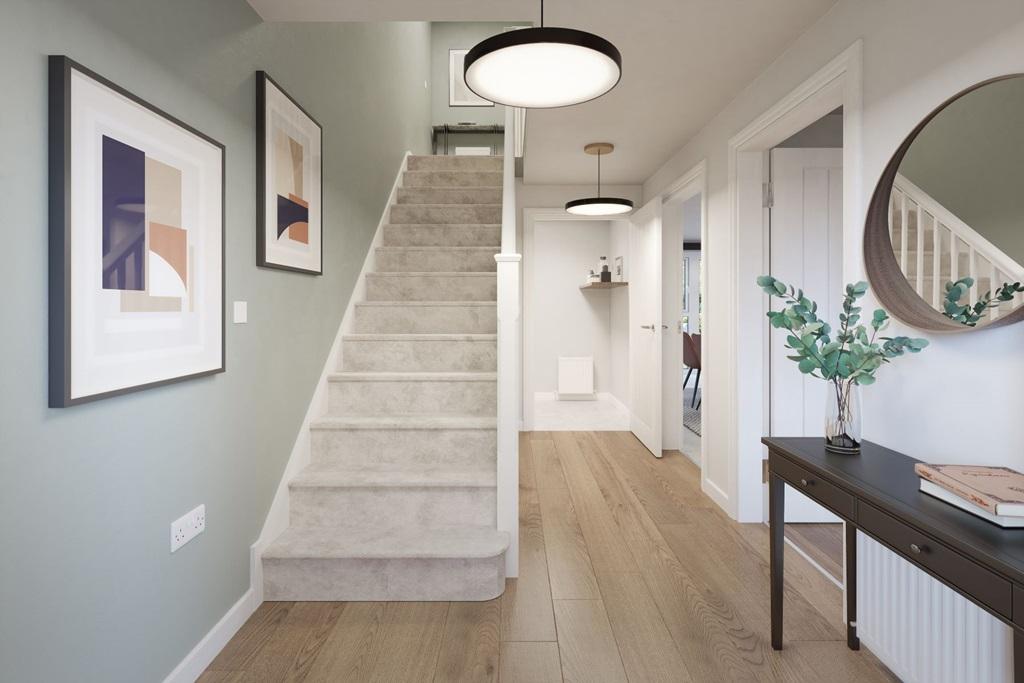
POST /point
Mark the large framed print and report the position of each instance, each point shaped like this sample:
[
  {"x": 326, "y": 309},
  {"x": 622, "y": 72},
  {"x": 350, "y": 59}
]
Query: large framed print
[
  {"x": 136, "y": 242},
  {"x": 289, "y": 182},
  {"x": 459, "y": 94}
]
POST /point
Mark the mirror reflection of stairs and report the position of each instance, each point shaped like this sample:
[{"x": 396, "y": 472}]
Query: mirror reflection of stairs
[{"x": 399, "y": 500}]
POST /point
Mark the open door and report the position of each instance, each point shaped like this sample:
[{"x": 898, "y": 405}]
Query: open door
[
  {"x": 645, "y": 325},
  {"x": 807, "y": 252}
]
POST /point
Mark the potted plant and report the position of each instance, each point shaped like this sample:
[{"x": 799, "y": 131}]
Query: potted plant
[{"x": 846, "y": 360}]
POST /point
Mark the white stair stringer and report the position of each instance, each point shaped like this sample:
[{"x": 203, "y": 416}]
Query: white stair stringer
[{"x": 398, "y": 501}]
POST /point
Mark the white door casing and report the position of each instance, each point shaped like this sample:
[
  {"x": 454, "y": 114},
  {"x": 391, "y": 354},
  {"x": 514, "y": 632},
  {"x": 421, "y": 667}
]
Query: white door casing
[
  {"x": 807, "y": 252},
  {"x": 645, "y": 320}
]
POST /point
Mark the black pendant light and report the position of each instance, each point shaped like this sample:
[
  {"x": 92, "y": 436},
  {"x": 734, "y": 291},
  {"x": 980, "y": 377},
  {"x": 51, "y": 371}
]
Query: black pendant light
[
  {"x": 599, "y": 206},
  {"x": 542, "y": 67}
]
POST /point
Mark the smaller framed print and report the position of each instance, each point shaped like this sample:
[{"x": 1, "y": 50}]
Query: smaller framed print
[
  {"x": 289, "y": 182},
  {"x": 136, "y": 242},
  {"x": 459, "y": 94}
]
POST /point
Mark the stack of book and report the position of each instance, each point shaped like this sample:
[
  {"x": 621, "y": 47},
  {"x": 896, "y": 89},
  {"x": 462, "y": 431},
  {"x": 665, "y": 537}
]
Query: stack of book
[{"x": 995, "y": 494}]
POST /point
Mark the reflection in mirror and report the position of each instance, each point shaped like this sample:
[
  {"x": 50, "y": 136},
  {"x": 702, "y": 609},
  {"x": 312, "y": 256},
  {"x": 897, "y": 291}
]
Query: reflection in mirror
[{"x": 956, "y": 211}]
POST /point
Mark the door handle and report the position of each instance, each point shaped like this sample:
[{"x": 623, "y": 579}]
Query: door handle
[{"x": 647, "y": 327}]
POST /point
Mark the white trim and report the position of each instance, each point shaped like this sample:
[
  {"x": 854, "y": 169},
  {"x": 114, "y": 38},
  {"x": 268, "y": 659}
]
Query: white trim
[
  {"x": 207, "y": 649},
  {"x": 836, "y": 84}
]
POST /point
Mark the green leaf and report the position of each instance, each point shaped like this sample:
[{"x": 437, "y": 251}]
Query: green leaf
[{"x": 807, "y": 366}]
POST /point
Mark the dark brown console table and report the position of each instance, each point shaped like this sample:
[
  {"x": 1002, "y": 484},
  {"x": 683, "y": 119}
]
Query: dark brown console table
[{"x": 876, "y": 493}]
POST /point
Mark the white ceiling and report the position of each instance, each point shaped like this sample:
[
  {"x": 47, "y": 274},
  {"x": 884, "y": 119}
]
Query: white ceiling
[{"x": 682, "y": 62}]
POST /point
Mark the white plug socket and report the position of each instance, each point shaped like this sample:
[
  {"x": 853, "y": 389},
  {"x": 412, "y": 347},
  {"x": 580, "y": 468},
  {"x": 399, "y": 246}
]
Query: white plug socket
[{"x": 187, "y": 527}]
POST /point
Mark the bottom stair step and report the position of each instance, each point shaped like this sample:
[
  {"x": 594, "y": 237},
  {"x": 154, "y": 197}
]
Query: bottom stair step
[{"x": 340, "y": 563}]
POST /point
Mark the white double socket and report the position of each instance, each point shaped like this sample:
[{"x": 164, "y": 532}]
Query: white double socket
[{"x": 187, "y": 527}]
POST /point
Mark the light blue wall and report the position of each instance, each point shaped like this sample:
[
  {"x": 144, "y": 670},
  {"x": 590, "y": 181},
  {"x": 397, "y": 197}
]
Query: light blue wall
[{"x": 88, "y": 588}]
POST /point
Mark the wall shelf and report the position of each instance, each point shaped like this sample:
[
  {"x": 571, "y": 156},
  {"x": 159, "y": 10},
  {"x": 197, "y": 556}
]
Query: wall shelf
[{"x": 603, "y": 285}]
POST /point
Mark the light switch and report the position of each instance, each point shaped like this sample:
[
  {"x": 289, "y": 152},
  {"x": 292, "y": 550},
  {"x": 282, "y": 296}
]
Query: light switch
[{"x": 241, "y": 312}]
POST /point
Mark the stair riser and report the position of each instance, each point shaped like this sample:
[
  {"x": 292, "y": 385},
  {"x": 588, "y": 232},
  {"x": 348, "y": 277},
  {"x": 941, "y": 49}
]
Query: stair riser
[
  {"x": 448, "y": 195},
  {"x": 452, "y": 179},
  {"x": 431, "y": 287},
  {"x": 355, "y": 448},
  {"x": 400, "y": 506},
  {"x": 420, "y": 398},
  {"x": 420, "y": 356},
  {"x": 415, "y": 259},
  {"x": 442, "y": 235},
  {"x": 419, "y": 213},
  {"x": 426, "y": 319},
  {"x": 382, "y": 580},
  {"x": 454, "y": 163}
]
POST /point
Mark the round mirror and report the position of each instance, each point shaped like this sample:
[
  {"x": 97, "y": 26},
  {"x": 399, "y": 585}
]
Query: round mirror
[{"x": 944, "y": 240}]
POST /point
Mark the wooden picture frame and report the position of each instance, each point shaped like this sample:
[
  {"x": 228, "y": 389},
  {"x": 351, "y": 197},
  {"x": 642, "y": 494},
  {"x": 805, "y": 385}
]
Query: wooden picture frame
[
  {"x": 136, "y": 242},
  {"x": 289, "y": 182}
]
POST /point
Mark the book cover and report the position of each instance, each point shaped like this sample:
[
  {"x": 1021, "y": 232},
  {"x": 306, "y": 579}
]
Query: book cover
[
  {"x": 998, "y": 490},
  {"x": 952, "y": 499}
]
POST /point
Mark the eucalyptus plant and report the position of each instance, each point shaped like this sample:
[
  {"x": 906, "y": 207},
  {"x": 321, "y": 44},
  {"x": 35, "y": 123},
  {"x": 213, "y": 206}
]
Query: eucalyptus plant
[
  {"x": 969, "y": 314},
  {"x": 850, "y": 356}
]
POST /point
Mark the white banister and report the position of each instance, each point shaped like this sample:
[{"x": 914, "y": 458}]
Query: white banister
[{"x": 508, "y": 349}]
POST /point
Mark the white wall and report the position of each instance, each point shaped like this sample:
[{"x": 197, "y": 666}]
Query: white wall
[
  {"x": 618, "y": 314},
  {"x": 907, "y": 71},
  {"x": 565, "y": 321}
]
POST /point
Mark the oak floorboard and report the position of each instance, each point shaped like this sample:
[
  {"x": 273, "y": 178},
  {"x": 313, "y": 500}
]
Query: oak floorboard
[
  {"x": 255, "y": 634},
  {"x": 602, "y": 535},
  {"x": 645, "y": 645},
  {"x": 470, "y": 646},
  {"x": 586, "y": 644},
  {"x": 546, "y": 467},
  {"x": 526, "y": 611},
  {"x": 823, "y": 543},
  {"x": 530, "y": 663},
  {"x": 289, "y": 654}
]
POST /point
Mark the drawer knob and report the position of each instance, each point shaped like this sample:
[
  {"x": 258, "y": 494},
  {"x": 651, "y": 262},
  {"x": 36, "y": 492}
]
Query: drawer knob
[
  {"x": 807, "y": 482},
  {"x": 917, "y": 549}
]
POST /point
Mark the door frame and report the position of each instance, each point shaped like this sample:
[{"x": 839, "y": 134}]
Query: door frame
[
  {"x": 530, "y": 219},
  {"x": 690, "y": 184},
  {"x": 837, "y": 84}
]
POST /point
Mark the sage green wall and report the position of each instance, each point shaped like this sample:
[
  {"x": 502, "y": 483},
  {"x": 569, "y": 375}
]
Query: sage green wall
[
  {"x": 445, "y": 35},
  {"x": 969, "y": 159},
  {"x": 88, "y": 588}
]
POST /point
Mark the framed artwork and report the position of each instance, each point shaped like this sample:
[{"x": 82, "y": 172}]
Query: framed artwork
[
  {"x": 459, "y": 94},
  {"x": 289, "y": 182},
  {"x": 136, "y": 242}
]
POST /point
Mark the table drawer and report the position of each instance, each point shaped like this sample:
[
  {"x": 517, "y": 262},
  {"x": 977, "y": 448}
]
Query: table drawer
[
  {"x": 1018, "y": 605},
  {"x": 832, "y": 497},
  {"x": 981, "y": 584}
]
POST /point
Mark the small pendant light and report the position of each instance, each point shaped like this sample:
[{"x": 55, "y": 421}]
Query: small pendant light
[
  {"x": 542, "y": 67},
  {"x": 599, "y": 206}
]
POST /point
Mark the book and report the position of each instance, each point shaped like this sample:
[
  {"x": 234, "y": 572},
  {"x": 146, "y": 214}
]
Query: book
[
  {"x": 946, "y": 496},
  {"x": 997, "y": 490}
]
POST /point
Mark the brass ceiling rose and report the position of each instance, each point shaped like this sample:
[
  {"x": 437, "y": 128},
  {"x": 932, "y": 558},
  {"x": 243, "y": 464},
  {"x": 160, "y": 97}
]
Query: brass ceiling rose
[{"x": 599, "y": 148}]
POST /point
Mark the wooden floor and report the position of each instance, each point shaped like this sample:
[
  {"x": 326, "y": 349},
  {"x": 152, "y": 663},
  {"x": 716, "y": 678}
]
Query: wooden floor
[
  {"x": 823, "y": 543},
  {"x": 627, "y": 572}
]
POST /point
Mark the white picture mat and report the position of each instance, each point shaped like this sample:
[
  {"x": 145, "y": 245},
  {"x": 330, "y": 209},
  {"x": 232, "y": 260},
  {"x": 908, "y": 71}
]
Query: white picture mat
[
  {"x": 111, "y": 350},
  {"x": 282, "y": 114},
  {"x": 459, "y": 94}
]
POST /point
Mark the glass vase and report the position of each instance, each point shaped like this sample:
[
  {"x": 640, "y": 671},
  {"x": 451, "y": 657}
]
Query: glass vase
[{"x": 842, "y": 418}]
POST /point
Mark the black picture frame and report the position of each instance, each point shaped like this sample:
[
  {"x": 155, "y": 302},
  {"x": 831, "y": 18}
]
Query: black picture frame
[
  {"x": 60, "y": 69},
  {"x": 262, "y": 80}
]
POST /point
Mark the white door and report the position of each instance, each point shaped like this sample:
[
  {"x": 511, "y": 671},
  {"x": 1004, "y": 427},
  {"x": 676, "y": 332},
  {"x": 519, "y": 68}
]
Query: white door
[
  {"x": 645, "y": 325},
  {"x": 806, "y": 252}
]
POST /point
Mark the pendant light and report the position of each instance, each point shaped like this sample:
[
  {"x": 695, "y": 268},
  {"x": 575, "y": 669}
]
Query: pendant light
[
  {"x": 542, "y": 67},
  {"x": 599, "y": 206}
]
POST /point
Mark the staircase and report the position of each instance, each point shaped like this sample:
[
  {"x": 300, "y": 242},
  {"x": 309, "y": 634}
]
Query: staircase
[{"x": 399, "y": 500}]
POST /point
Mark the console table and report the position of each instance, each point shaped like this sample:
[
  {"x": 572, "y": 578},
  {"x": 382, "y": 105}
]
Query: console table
[
  {"x": 440, "y": 133},
  {"x": 876, "y": 492}
]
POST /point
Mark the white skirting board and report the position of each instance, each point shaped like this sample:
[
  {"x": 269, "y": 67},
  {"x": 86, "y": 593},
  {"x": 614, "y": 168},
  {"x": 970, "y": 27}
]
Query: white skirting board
[
  {"x": 922, "y": 630},
  {"x": 193, "y": 665}
]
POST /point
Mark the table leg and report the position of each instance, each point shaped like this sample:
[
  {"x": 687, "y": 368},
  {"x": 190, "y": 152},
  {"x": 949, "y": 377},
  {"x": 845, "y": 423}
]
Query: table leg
[
  {"x": 776, "y": 550},
  {"x": 852, "y": 641},
  {"x": 1018, "y": 656}
]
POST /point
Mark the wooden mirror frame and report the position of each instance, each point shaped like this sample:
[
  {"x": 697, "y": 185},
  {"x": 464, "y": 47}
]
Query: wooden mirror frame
[{"x": 890, "y": 285}]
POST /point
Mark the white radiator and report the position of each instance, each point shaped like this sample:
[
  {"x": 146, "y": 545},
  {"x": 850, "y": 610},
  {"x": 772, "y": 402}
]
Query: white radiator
[
  {"x": 576, "y": 378},
  {"x": 922, "y": 630}
]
